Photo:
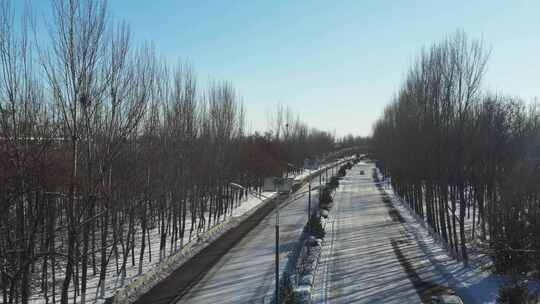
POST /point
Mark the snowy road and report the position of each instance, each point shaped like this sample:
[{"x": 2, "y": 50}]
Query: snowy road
[
  {"x": 246, "y": 273},
  {"x": 359, "y": 264},
  {"x": 376, "y": 251},
  {"x": 362, "y": 261}
]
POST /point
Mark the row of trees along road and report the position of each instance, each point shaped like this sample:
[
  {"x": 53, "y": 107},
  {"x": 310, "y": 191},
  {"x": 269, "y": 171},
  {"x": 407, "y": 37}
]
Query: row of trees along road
[
  {"x": 105, "y": 149},
  {"x": 458, "y": 156}
]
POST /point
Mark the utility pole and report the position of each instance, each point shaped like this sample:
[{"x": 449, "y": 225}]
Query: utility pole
[
  {"x": 277, "y": 182},
  {"x": 277, "y": 214},
  {"x": 277, "y": 255},
  {"x": 309, "y": 202}
]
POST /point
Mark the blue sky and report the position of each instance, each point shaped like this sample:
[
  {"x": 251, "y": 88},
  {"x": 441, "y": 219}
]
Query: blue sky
[{"x": 335, "y": 63}]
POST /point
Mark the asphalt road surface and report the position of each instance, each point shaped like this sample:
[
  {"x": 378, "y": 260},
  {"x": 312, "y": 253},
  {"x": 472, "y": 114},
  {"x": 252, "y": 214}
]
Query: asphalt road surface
[
  {"x": 245, "y": 274},
  {"x": 370, "y": 256}
]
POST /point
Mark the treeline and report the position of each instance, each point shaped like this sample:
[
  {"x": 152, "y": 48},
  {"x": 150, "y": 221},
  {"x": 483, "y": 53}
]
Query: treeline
[
  {"x": 354, "y": 141},
  {"x": 459, "y": 156},
  {"x": 105, "y": 150}
]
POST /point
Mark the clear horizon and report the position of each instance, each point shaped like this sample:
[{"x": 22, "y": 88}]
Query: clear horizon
[{"x": 336, "y": 66}]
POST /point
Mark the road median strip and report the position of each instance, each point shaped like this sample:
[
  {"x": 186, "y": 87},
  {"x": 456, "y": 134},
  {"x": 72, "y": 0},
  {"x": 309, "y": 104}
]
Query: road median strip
[{"x": 300, "y": 278}]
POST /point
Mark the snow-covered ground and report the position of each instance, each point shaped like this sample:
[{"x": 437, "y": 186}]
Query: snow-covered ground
[
  {"x": 246, "y": 273},
  {"x": 475, "y": 284},
  {"x": 358, "y": 264},
  {"x": 154, "y": 268},
  {"x": 379, "y": 253},
  {"x": 113, "y": 280}
]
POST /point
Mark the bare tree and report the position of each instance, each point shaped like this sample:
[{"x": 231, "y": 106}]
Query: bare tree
[{"x": 450, "y": 149}]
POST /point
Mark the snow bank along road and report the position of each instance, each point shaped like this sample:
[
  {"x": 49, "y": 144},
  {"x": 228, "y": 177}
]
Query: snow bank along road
[
  {"x": 369, "y": 256},
  {"x": 239, "y": 266},
  {"x": 245, "y": 274}
]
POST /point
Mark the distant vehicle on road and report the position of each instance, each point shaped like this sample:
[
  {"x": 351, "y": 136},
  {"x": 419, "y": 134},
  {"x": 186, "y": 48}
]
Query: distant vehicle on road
[
  {"x": 446, "y": 299},
  {"x": 361, "y": 172}
]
